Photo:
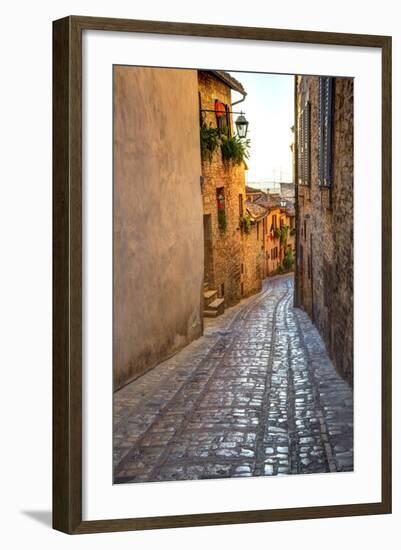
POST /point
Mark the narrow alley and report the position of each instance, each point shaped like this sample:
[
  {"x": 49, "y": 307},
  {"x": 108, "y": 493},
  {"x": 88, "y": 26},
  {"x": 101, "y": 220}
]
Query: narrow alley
[{"x": 255, "y": 395}]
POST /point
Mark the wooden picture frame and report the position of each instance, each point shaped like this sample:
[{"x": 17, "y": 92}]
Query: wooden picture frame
[{"x": 67, "y": 273}]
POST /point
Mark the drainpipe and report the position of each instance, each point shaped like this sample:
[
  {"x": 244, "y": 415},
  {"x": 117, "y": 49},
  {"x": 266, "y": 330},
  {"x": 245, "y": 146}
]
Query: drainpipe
[{"x": 240, "y": 100}]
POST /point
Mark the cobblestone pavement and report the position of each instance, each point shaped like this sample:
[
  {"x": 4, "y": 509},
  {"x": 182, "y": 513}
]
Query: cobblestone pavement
[{"x": 256, "y": 395}]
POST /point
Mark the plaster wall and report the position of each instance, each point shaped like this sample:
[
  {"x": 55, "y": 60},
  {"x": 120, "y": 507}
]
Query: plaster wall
[{"x": 158, "y": 224}]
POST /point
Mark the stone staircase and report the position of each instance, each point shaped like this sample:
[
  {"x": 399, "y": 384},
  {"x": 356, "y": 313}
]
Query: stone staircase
[{"x": 212, "y": 305}]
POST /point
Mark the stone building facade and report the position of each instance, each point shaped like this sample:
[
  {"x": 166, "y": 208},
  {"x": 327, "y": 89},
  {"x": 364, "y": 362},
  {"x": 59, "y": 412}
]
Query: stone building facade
[
  {"x": 324, "y": 211},
  {"x": 276, "y": 239},
  {"x": 231, "y": 257},
  {"x": 253, "y": 250}
]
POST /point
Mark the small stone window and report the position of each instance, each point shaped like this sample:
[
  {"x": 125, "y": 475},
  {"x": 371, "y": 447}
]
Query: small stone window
[
  {"x": 222, "y": 112},
  {"x": 221, "y": 208}
]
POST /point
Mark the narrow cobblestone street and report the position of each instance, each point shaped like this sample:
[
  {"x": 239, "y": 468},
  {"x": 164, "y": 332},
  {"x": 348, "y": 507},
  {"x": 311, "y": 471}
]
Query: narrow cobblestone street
[{"x": 256, "y": 395}]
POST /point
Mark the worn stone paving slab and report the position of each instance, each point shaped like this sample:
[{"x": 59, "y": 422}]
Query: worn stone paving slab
[{"x": 256, "y": 395}]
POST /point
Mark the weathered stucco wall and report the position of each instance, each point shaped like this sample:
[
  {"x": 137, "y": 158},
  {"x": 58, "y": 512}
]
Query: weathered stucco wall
[{"x": 158, "y": 224}]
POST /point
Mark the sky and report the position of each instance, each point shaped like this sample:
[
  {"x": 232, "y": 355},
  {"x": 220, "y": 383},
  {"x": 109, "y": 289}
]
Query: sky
[{"x": 269, "y": 109}]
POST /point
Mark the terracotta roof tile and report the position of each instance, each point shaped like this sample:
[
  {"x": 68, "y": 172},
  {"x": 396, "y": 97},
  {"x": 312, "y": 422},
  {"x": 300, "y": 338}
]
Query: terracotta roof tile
[{"x": 255, "y": 211}]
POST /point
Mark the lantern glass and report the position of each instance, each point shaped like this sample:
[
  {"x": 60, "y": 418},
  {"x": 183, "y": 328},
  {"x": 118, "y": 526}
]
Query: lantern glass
[{"x": 242, "y": 126}]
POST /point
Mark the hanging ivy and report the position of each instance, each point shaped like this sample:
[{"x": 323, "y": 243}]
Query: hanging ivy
[
  {"x": 222, "y": 219},
  {"x": 277, "y": 233},
  {"x": 245, "y": 223},
  {"x": 209, "y": 141},
  {"x": 284, "y": 235}
]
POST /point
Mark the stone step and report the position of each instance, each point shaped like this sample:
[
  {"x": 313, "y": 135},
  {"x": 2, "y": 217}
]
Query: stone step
[
  {"x": 210, "y": 313},
  {"x": 209, "y": 296},
  {"x": 217, "y": 305}
]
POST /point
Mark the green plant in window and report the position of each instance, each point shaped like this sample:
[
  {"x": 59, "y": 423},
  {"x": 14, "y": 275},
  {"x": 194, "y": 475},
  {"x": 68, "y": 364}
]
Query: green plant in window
[
  {"x": 222, "y": 219},
  {"x": 245, "y": 223},
  {"x": 277, "y": 233},
  {"x": 234, "y": 149}
]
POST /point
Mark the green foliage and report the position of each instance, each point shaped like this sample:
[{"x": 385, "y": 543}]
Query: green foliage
[
  {"x": 277, "y": 233},
  {"x": 245, "y": 223},
  {"x": 284, "y": 235},
  {"x": 209, "y": 141},
  {"x": 280, "y": 269},
  {"x": 288, "y": 260},
  {"x": 234, "y": 149},
  {"x": 292, "y": 232},
  {"x": 222, "y": 219}
]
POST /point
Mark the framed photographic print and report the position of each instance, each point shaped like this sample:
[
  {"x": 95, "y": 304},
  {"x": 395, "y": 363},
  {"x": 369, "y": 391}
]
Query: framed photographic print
[{"x": 222, "y": 274}]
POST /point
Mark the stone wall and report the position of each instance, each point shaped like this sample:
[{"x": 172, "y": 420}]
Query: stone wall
[
  {"x": 224, "y": 271},
  {"x": 158, "y": 229},
  {"x": 324, "y": 224},
  {"x": 253, "y": 259}
]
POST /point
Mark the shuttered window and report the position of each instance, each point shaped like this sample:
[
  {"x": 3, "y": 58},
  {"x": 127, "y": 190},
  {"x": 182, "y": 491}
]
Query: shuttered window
[
  {"x": 325, "y": 131},
  {"x": 304, "y": 146}
]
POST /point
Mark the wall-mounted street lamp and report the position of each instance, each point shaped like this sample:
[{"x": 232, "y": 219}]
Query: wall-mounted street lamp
[
  {"x": 241, "y": 123},
  {"x": 283, "y": 203},
  {"x": 242, "y": 126}
]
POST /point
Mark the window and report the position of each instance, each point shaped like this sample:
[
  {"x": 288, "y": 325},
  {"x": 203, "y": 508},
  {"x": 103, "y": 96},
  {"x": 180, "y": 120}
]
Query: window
[
  {"x": 274, "y": 222},
  {"x": 325, "y": 130},
  {"x": 222, "y": 116},
  {"x": 257, "y": 230},
  {"x": 241, "y": 205},
  {"x": 221, "y": 208},
  {"x": 304, "y": 145}
]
